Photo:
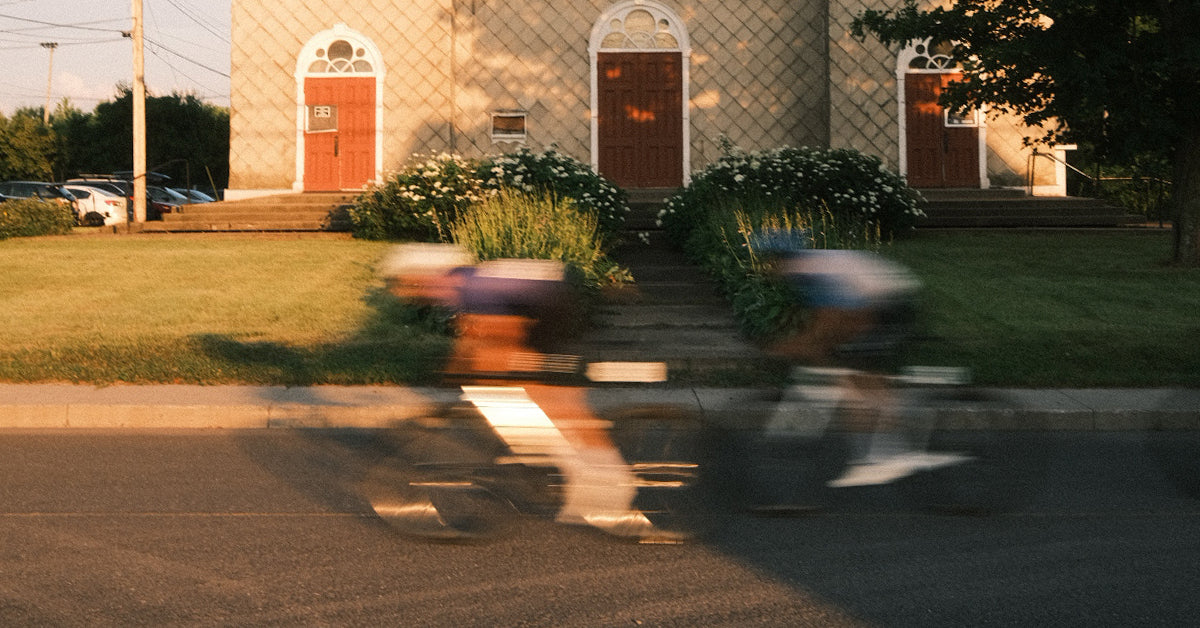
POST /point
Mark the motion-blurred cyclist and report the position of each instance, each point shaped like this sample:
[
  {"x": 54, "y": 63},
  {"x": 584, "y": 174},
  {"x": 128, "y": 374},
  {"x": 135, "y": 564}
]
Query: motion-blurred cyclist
[
  {"x": 857, "y": 308},
  {"x": 510, "y": 313}
]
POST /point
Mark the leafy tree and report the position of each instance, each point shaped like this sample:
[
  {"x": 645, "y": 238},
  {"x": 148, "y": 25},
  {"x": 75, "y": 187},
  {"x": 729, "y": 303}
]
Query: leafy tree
[
  {"x": 1124, "y": 75},
  {"x": 186, "y": 138},
  {"x": 28, "y": 148}
]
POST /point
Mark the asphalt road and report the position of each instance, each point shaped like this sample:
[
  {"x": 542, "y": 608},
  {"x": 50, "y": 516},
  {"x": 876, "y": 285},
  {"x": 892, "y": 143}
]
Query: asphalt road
[{"x": 271, "y": 528}]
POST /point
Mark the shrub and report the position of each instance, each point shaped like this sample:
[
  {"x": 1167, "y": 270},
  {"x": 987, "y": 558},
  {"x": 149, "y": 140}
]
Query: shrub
[
  {"x": 725, "y": 244},
  {"x": 31, "y": 217},
  {"x": 419, "y": 202},
  {"x": 557, "y": 176},
  {"x": 849, "y": 185},
  {"x": 423, "y": 199},
  {"x": 517, "y": 224}
]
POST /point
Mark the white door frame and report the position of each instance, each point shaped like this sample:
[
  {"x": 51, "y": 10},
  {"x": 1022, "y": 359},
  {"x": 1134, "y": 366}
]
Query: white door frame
[
  {"x": 672, "y": 25},
  {"x": 311, "y": 53}
]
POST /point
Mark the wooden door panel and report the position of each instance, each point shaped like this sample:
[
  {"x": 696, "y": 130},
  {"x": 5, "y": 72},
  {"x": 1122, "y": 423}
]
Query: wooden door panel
[
  {"x": 640, "y": 125},
  {"x": 343, "y": 158},
  {"x": 937, "y": 155}
]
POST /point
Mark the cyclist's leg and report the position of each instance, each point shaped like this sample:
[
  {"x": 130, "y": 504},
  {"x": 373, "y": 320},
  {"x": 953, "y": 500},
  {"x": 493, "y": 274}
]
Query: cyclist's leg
[{"x": 599, "y": 485}]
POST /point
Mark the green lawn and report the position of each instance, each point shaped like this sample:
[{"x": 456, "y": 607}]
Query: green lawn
[
  {"x": 204, "y": 309},
  {"x": 1048, "y": 309},
  {"x": 1058, "y": 308}
]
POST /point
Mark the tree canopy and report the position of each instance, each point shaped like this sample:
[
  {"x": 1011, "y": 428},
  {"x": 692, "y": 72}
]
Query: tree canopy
[
  {"x": 187, "y": 138},
  {"x": 1123, "y": 76}
]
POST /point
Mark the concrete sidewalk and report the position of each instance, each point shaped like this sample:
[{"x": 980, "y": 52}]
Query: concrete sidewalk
[{"x": 66, "y": 406}]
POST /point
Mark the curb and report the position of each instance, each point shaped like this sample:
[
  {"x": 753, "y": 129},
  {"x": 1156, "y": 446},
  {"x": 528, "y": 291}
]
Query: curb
[{"x": 77, "y": 407}]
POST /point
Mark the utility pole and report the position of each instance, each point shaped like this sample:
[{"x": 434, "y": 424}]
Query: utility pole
[
  {"x": 139, "y": 117},
  {"x": 49, "y": 45}
]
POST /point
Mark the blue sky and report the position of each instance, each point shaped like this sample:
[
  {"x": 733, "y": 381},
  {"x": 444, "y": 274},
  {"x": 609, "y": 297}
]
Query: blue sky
[{"x": 187, "y": 50}]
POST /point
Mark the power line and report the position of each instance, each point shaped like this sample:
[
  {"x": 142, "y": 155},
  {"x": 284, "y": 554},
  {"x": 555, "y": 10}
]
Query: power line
[
  {"x": 185, "y": 58},
  {"x": 198, "y": 19},
  {"x": 83, "y": 26}
]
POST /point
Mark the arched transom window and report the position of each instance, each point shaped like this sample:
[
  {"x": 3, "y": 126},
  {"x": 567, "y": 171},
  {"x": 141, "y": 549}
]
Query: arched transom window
[
  {"x": 932, "y": 55},
  {"x": 642, "y": 28},
  {"x": 340, "y": 57}
]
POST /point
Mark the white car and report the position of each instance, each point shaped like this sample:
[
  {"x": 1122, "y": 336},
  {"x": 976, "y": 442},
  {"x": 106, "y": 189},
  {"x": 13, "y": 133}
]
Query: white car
[{"x": 97, "y": 207}]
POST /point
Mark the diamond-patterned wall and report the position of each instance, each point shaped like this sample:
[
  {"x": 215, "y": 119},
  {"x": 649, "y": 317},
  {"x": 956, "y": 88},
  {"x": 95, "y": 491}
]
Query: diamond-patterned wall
[
  {"x": 763, "y": 73},
  {"x": 862, "y": 79},
  {"x": 757, "y": 75}
]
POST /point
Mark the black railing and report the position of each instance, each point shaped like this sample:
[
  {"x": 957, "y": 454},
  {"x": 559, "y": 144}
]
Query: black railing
[{"x": 1145, "y": 196}]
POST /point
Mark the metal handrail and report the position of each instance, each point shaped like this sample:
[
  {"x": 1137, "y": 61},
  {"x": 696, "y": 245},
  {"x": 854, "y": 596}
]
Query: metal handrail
[{"x": 1095, "y": 180}]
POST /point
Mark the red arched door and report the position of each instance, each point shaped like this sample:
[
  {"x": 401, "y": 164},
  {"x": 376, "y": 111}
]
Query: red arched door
[
  {"x": 942, "y": 151},
  {"x": 640, "y": 121},
  {"x": 339, "y": 138}
]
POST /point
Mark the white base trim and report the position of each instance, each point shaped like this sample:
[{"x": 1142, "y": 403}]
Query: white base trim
[{"x": 243, "y": 194}]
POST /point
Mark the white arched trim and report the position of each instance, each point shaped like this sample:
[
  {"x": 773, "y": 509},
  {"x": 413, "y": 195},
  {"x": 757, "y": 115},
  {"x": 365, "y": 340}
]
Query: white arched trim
[
  {"x": 670, "y": 24},
  {"x": 312, "y": 52},
  {"x": 941, "y": 65}
]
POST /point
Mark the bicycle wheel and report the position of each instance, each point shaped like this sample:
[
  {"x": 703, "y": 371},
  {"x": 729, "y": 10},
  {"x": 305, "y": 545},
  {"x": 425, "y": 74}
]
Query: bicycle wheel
[
  {"x": 973, "y": 468},
  {"x": 672, "y": 455},
  {"x": 439, "y": 482}
]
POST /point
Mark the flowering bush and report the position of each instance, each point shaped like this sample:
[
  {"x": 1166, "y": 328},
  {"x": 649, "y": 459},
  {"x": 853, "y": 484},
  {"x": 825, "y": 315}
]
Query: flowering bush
[
  {"x": 835, "y": 198},
  {"x": 32, "y": 217},
  {"x": 847, "y": 184},
  {"x": 558, "y": 176},
  {"x": 421, "y": 201}
]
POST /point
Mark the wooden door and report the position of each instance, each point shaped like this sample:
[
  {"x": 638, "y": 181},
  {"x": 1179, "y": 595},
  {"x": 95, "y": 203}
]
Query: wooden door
[
  {"x": 940, "y": 153},
  {"x": 640, "y": 122},
  {"x": 339, "y": 140}
]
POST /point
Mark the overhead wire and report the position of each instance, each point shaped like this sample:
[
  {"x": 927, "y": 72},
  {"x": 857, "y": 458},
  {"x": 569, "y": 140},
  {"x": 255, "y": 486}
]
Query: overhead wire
[{"x": 36, "y": 34}]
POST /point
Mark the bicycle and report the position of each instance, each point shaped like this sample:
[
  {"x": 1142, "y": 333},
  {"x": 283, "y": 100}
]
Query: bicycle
[
  {"x": 826, "y": 437},
  {"x": 473, "y": 470}
]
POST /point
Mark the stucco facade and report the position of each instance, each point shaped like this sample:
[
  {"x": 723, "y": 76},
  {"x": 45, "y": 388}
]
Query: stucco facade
[{"x": 763, "y": 74}]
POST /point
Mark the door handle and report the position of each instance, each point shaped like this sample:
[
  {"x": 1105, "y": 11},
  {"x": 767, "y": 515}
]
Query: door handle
[{"x": 335, "y": 145}]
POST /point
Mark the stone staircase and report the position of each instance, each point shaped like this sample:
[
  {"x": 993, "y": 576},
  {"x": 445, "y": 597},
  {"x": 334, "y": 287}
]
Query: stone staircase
[
  {"x": 309, "y": 211},
  {"x": 1007, "y": 208},
  {"x": 674, "y": 313}
]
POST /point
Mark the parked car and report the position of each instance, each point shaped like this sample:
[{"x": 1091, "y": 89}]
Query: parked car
[
  {"x": 104, "y": 182},
  {"x": 193, "y": 195},
  {"x": 163, "y": 200},
  {"x": 159, "y": 200},
  {"x": 98, "y": 206},
  {"x": 38, "y": 189}
]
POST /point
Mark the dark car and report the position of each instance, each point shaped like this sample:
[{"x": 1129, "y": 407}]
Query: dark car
[
  {"x": 163, "y": 200},
  {"x": 37, "y": 189}
]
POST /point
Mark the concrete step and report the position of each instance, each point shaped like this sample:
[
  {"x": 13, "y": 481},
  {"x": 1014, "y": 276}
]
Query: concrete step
[
  {"x": 283, "y": 212},
  {"x": 260, "y": 225},
  {"x": 1000, "y": 209},
  {"x": 717, "y": 316}
]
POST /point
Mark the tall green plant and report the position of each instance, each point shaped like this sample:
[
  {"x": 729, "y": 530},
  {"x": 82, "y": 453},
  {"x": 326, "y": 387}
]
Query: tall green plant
[
  {"x": 514, "y": 224},
  {"x": 557, "y": 175},
  {"x": 727, "y": 243}
]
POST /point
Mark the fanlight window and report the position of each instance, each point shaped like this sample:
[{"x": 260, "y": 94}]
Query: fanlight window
[
  {"x": 640, "y": 30},
  {"x": 340, "y": 58},
  {"x": 933, "y": 56}
]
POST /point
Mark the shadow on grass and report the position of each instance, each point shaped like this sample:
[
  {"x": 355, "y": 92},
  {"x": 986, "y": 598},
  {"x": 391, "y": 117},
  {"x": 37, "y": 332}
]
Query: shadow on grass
[{"x": 399, "y": 343}]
